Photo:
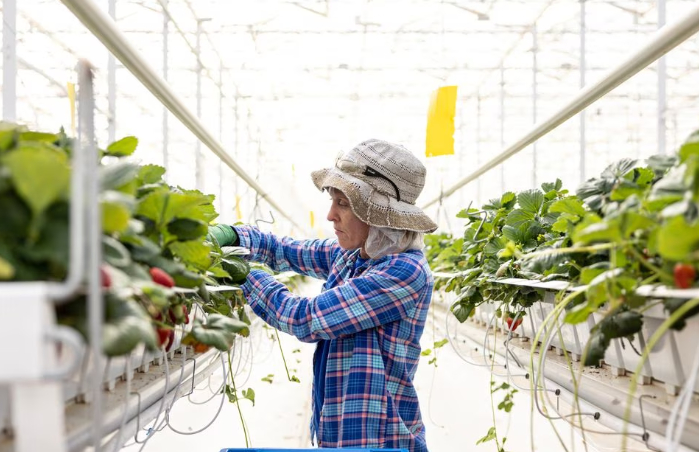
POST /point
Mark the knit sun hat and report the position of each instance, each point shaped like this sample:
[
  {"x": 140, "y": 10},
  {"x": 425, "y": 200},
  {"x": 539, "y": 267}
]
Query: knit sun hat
[{"x": 382, "y": 181}]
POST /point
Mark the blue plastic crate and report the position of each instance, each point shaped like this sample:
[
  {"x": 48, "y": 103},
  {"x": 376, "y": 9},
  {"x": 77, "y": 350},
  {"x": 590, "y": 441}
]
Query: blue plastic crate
[{"x": 314, "y": 450}]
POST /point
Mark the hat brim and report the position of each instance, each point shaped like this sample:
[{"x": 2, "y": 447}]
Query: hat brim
[{"x": 371, "y": 206}]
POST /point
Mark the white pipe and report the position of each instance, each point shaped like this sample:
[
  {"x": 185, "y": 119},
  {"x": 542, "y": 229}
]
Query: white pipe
[
  {"x": 106, "y": 31},
  {"x": 9, "y": 60},
  {"x": 662, "y": 42},
  {"x": 583, "y": 69},
  {"x": 95, "y": 310},
  {"x": 662, "y": 87},
  {"x": 535, "y": 94},
  {"x": 111, "y": 84}
]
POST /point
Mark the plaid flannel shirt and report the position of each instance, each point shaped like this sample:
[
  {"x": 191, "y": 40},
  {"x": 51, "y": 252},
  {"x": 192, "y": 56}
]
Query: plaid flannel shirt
[{"x": 373, "y": 317}]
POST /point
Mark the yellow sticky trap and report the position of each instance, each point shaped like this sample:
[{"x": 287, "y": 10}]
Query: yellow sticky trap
[
  {"x": 238, "y": 214},
  {"x": 313, "y": 220},
  {"x": 71, "y": 100},
  {"x": 440, "y": 122}
]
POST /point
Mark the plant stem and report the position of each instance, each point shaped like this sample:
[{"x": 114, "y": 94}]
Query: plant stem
[
  {"x": 237, "y": 402},
  {"x": 666, "y": 277},
  {"x": 282, "y": 352}
]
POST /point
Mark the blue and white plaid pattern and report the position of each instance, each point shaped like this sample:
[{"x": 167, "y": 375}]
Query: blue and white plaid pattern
[{"x": 373, "y": 317}]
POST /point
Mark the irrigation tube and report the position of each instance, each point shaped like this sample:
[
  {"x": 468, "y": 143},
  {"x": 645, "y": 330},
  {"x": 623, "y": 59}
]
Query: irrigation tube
[
  {"x": 663, "y": 41},
  {"x": 104, "y": 28}
]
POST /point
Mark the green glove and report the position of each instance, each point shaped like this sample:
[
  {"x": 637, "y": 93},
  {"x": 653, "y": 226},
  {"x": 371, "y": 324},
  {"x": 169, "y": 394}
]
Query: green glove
[{"x": 224, "y": 234}]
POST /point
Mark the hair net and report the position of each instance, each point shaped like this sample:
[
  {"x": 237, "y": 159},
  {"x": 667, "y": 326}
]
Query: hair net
[{"x": 384, "y": 241}]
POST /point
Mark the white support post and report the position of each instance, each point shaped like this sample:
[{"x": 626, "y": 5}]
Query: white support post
[
  {"x": 199, "y": 164},
  {"x": 535, "y": 69},
  {"x": 502, "y": 124},
  {"x": 166, "y": 133},
  {"x": 583, "y": 69},
  {"x": 111, "y": 84},
  {"x": 9, "y": 56},
  {"x": 478, "y": 146},
  {"x": 220, "y": 134},
  {"x": 662, "y": 87}
]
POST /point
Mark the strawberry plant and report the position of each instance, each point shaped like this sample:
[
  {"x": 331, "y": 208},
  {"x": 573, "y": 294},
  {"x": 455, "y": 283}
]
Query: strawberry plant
[{"x": 154, "y": 243}]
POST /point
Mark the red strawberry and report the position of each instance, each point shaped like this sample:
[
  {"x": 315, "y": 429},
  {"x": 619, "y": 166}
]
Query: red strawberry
[
  {"x": 186, "y": 314},
  {"x": 684, "y": 275},
  {"x": 166, "y": 337},
  {"x": 160, "y": 277},
  {"x": 512, "y": 324},
  {"x": 105, "y": 278}
]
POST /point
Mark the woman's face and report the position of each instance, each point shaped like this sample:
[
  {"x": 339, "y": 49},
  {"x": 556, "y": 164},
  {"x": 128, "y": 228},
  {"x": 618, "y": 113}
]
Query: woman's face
[{"x": 351, "y": 231}]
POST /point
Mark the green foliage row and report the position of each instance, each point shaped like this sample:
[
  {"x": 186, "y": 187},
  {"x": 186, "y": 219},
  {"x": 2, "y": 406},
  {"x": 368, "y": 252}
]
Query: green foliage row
[{"x": 635, "y": 224}]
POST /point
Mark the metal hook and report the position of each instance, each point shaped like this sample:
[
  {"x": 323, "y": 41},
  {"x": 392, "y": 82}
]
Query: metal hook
[
  {"x": 646, "y": 433},
  {"x": 260, "y": 220},
  {"x": 194, "y": 372},
  {"x": 138, "y": 418}
]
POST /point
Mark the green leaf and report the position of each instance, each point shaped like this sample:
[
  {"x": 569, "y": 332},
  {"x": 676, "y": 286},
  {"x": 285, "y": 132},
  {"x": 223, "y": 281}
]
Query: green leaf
[
  {"x": 690, "y": 147},
  {"x": 127, "y": 325},
  {"x": 40, "y": 174},
  {"x": 644, "y": 176},
  {"x": 598, "y": 344},
  {"x": 518, "y": 216},
  {"x": 269, "y": 378},
  {"x": 116, "y": 211},
  {"x": 193, "y": 252},
  {"x": 249, "y": 394},
  {"x": 115, "y": 253},
  {"x": 150, "y": 174},
  {"x": 118, "y": 174},
  {"x": 8, "y": 135},
  {"x": 7, "y": 271},
  {"x": 677, "y": 239},
  {"x": 16, "y": 218},
  {"x": 218, "y": 332},
  {"x": 580, "y": 313},
  {"x": 507, "y": 199},
  {"x": 623, "y": 324},
  {"x": 440, "y": 344},
  {"x": 660, "y": 164},
  {"x": 426, "y": 352},
  {"x": 605, "y": 231},
  {"x": 491, "y": 435},
  {"x": 121, "y": 148},
  {"x": 531, "y": 200},
  {"x": 187, "y": 229},
  {"x": 38, "y": 136},
  {"x": 162, "y": 206},
  {"x": 591, "y": 272},
  {"x": 570, "y": 205},
  {"x": 619, "y": 169}
]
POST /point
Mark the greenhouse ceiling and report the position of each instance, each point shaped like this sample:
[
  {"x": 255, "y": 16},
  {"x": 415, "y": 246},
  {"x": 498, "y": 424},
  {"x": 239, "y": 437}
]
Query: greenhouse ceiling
[{"x": 286, "y": 85}]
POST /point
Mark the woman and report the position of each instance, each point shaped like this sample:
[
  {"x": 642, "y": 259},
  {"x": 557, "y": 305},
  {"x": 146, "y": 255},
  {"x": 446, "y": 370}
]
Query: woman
[{"x": 368, "y": 320}]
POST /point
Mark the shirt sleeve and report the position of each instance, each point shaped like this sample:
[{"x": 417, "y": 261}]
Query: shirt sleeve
[
  {"x": 307, "y": 257},
  {"x": 378, "y": 297}
]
